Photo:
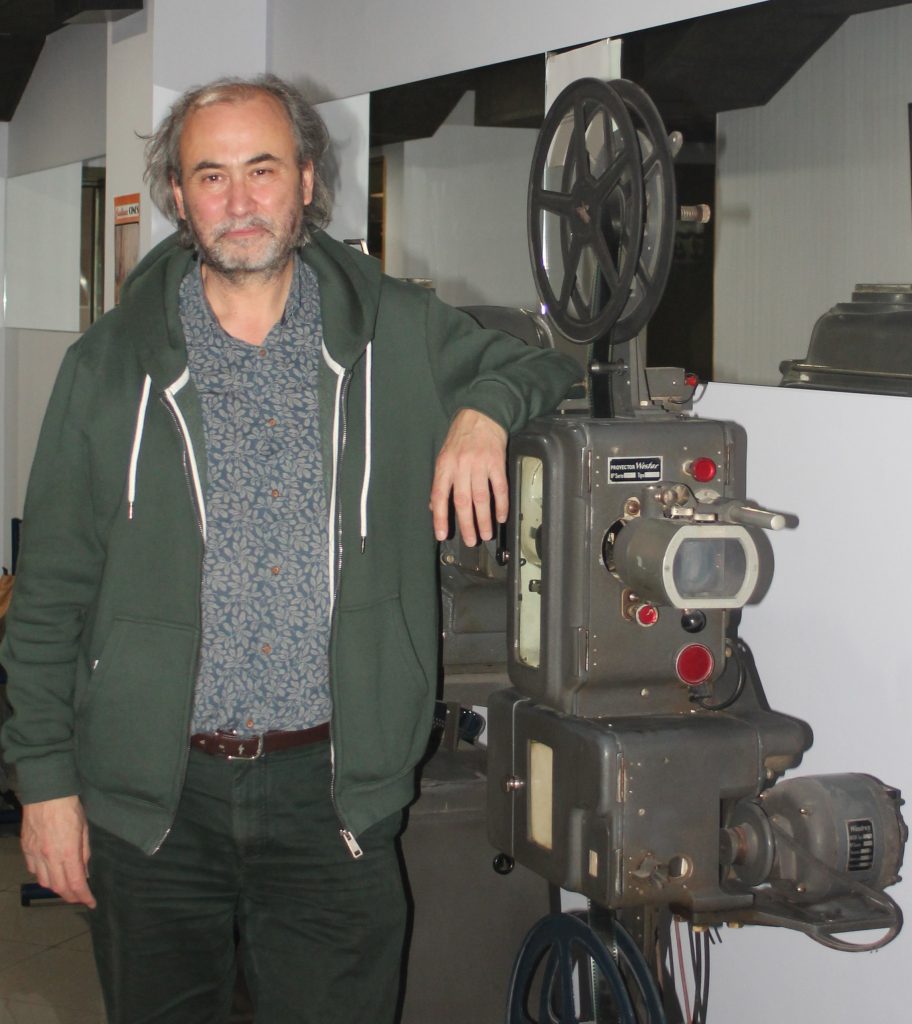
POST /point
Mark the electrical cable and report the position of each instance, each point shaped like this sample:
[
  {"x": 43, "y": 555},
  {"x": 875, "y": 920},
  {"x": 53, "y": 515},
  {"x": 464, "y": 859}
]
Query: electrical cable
[
  {"x": 682, "y": 974},
  {"x": 700, "y": 953},
  {"x": 696, "y": 972},
  {"x": 738, "y": 657},
  {"x": 707, "y": 939},
  {"x": 699, "y": 386},
  {"x": 666, "y": 960},
  {"x": 871, "y": 896}
]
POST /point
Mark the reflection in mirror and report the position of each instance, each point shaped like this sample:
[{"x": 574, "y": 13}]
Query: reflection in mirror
[
  {"x": 453, "y": 158},
  {"x": 43, "y": 211},
  {"x": 55, "y": 247},
  {"x": 794, "y": 121},
  {"x": 91, "y": 260}
]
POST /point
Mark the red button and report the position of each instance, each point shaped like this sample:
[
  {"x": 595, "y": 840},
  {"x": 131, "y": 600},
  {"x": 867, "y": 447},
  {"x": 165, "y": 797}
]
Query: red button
[
  {"x": 703, "y": 470},
  {"x": 694, "y": 664},
  {"x": 647, "y": 615}
]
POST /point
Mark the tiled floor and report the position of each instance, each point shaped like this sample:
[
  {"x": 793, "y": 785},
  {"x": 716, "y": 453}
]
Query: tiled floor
[{"x": 47, "y": 974}]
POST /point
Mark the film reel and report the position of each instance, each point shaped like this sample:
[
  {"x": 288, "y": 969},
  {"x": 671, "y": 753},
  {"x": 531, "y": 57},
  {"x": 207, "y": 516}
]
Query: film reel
[
  {"x": 601, "y": 210},
  {"x": 585, "y": 209},
  {"x": 659, "y": 214}
]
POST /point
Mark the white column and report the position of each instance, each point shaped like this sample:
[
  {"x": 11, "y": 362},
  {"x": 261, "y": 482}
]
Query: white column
[{"x": 153, "y": 56}]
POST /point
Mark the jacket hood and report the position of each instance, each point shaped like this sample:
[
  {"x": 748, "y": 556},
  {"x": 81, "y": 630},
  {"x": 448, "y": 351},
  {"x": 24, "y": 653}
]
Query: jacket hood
[
  {"x": 350, "y": 283},
  {"x": 148, "y": 301}
]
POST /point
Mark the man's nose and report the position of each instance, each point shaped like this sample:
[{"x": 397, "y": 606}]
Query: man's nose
[{"x": 240, "y": 198}]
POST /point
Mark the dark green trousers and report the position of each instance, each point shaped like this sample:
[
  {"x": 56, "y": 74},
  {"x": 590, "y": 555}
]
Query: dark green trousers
[{"x": 255, "y": 850}]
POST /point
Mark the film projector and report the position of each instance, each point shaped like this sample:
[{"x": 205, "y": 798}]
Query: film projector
[{"x": 635, "y": 760}]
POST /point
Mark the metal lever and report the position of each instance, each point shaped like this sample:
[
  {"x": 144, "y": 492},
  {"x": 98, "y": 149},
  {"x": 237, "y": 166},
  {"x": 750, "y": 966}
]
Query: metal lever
[{"x": 747, "y": 515}]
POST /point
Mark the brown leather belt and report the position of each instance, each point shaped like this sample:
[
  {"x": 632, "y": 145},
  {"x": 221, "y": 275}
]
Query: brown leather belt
[{"x": 247, "y": 748}]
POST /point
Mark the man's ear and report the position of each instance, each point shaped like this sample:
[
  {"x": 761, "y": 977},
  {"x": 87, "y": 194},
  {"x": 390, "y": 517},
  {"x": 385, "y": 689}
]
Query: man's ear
[
  {"x": 307, "y": 181},
  {"x": 178, "y": 194}
]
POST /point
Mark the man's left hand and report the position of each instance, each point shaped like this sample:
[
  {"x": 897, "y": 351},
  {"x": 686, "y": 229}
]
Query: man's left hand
[{"x": 471, "y": 465}]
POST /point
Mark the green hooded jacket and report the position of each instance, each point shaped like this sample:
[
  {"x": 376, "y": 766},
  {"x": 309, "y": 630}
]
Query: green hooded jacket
[{"x": 103, "y": 634}]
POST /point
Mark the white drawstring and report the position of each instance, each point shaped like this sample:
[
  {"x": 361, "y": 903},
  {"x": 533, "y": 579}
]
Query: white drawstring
[
  {"x": 169, "y": 394},
  {"x": 137, "y": 444},
  {"x": 333, "y": 488},
  {"x": 365, "y": 483}
]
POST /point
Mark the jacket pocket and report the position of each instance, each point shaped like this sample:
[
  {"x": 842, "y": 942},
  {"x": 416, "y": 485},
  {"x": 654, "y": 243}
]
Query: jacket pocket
[
  {"x": 131, "y": 726},
  {"x": 380, "y": 692}
]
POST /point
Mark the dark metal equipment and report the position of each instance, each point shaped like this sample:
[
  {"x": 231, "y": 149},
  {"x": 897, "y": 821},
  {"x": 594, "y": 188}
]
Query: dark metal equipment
[
  {"x": 635, "y": 759},
  {"x": 863, "y": 345}
]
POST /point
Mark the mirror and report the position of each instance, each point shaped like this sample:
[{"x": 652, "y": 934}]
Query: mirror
[
  {"x": 796, "y": 134},
  {"x": 54, "y": 247}
]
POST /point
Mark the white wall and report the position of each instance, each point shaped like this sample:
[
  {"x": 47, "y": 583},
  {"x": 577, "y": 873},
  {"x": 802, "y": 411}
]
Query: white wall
[
  {"x": 35, "y": 358},
  {"x": 814, "y": 195},
  {"x": 152, "y": 57},
  {"x": 129, "y": 114},
  {"x": 60, "y": 120},
  {"x": 61, "y": 116},
  {"x": 196, "y": 42},
  {"x": 464, "y": 223},
  {"x": 43, "y": 234},
  {"x": 348, "y": 123},
  {"x": 349, "y": 46},
  {"x": 833, "y": 646}
]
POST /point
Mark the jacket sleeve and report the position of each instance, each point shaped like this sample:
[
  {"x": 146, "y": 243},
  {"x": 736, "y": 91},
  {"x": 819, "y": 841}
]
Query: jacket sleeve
[
  {"x": 57, "y": 577},
  {"x": 492, "y": 372}
]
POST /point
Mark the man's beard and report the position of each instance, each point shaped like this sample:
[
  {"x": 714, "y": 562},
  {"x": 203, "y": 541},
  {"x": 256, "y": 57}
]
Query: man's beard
[{"x": 269, "y": 256}]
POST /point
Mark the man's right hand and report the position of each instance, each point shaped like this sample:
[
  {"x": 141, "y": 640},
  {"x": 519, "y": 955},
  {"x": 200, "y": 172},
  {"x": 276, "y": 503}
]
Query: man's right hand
[{"x": 55, "y": 841}]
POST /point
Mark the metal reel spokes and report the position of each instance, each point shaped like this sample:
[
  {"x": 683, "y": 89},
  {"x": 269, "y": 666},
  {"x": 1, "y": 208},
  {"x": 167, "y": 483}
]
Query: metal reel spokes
[
  {"x": 586, "y": 209},
  {"x": 554, "y": 964},
  {"x": 659, "y": 215}
]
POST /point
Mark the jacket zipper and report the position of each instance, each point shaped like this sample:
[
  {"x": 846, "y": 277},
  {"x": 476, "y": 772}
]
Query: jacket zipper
[
  {"x": 184, "y": 457},
  {"x": 347, "y": 836},
  {"x": 199, "y": 524}
]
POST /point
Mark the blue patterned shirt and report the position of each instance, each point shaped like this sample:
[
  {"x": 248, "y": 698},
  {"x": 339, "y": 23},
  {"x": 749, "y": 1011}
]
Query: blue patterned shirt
[{"x": 265, "y": 592}]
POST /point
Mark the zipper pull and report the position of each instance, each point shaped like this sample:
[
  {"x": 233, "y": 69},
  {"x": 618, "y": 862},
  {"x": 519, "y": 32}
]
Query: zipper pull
[{"x": 353, "y": 848}]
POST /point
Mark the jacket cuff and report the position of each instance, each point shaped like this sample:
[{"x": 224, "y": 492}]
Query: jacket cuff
[
  {"x": 46, "y": 778},
  {"x": 496, "y": 400}
]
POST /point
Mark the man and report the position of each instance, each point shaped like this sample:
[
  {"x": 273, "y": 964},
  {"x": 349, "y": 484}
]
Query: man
[{"x": 232, "y": 480}]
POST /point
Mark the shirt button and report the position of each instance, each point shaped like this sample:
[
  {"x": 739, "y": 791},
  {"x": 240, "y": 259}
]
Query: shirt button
[
  {"x": 266, "y": 648},
  {"x": 271, "y": 422},
  {"x": 275, "y": 570},
  {"x": 261, "y": 353},
  {"x": 274, "y": 492},
  {"x": 249, "y": 723}
]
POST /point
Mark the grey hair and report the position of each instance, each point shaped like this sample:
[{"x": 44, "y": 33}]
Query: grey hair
[{"x": 162, "y": 150}]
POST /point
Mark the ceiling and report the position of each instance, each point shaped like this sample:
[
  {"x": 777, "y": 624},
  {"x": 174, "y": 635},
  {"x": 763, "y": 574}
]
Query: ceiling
[
  {"x": 24, "y": 24},
  {"x": 692, "y": 69}
]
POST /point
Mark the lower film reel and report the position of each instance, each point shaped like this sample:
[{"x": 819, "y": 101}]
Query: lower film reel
[{"x": 601, "y": 210}]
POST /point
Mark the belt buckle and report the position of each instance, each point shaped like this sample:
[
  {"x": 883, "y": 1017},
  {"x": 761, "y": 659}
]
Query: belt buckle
[{"x": 241, "y": 756}]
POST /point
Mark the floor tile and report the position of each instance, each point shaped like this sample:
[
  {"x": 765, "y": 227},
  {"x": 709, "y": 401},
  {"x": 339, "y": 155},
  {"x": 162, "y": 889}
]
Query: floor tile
[
  {"x": 61, "y": 979},
  {"x": 12, "y": 863},
  {"x": 82, "y": 942},
  {"x": 14, "y": 1012},
  {"x": 12, "y": 952},
  {"x": 43, "y": 923}
]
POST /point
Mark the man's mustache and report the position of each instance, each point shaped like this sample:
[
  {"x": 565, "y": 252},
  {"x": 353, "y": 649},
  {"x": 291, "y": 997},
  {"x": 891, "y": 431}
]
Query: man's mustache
[{"x": 227, "y": 226}]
